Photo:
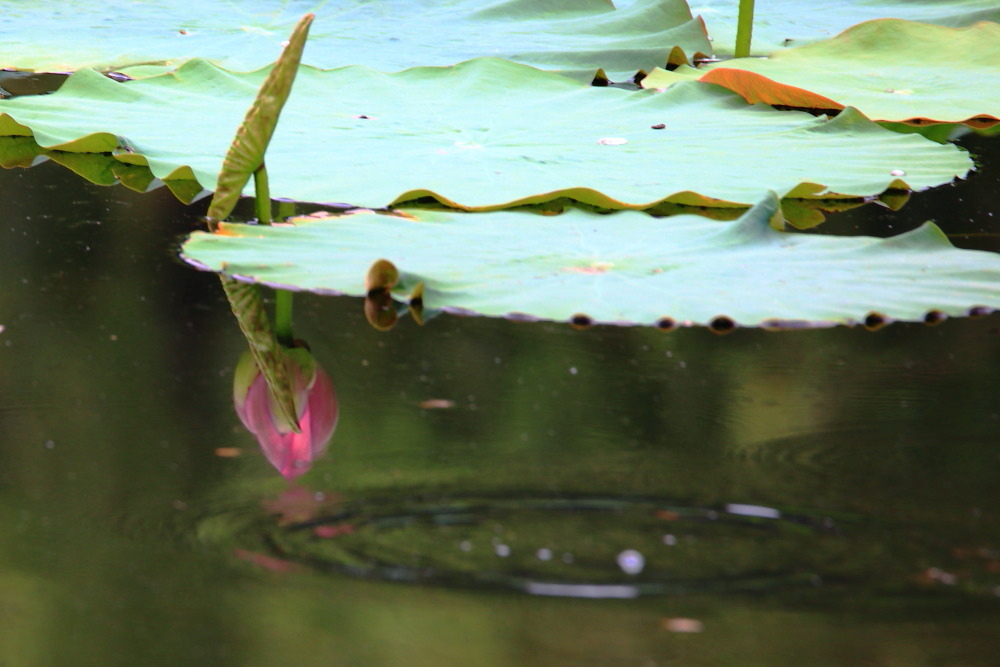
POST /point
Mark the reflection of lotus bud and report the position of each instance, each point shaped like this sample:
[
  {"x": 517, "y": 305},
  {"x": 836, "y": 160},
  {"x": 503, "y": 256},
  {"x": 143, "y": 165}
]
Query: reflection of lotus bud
[{"x": 315, "y": 406}]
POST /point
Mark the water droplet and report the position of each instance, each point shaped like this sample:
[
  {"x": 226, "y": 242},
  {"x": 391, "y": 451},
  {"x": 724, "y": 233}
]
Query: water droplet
[{"x": 631, "y": 561}]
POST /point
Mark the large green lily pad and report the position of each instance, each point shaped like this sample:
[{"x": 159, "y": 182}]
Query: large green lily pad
[
  {"x": 577, "y": 37},
  {"x": 890, "y": 70},
  {"x": 481, "y": 135},
  {"x": 786, "y": 23},
  {"x": 624, "y": 268}
]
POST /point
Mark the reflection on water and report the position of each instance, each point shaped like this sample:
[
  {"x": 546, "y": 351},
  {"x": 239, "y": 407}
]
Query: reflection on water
[
  {"x": 585, "y": 546},
  {"x": 829, "y": 495},
  {"x": 291, "y": 452}
]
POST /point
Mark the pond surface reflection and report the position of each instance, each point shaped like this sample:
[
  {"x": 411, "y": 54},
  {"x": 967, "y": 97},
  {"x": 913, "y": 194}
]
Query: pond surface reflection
[{"x": 814, "y": 497}]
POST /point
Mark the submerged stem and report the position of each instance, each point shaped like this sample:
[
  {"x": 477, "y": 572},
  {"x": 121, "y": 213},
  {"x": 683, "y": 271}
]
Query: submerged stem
[
  {"x": 283, "y": 317},
  {"x": 744, "y": 29},
  {"x": 262, "y": 195}
]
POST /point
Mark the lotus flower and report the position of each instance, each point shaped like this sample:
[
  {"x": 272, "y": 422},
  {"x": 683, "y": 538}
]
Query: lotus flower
[{"x": 315, "y": 406}]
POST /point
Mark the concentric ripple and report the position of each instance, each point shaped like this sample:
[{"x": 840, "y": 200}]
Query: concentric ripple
[{"x": 594, "y": 547}]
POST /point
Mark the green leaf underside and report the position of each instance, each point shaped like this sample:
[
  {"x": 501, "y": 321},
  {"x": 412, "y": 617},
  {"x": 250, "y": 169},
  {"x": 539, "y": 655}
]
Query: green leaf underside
[
  {"x": 576, "y": 37},
  {"x": 786, "y": 23},
  {"x": 888, "y": 69},
  {"x": 484, "y": 134},
  {"x": 623, "y": 268},
  {"x": 246, "y": 153}
]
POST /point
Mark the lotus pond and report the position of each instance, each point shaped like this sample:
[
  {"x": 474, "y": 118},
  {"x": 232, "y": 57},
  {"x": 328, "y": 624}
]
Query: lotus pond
[{"x": 570, "y": 438}]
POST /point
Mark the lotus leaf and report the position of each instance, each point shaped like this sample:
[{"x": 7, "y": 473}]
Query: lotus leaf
[
  {"x": 577, "y": 37},
  {"x": 624, "y": 267},
  {"x": 889, "y": 70},
  {"x": 483, "y": 134},
  {"x": 786, "y": 23}
]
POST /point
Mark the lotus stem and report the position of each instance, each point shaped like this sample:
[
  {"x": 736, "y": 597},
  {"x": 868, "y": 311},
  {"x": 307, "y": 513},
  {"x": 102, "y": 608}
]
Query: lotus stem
[
  {"x": 744, "y": 29},
  {"x": 283, "y": 317},
  {"x": 262, "y": 195},
  {"x": 286, "y": 209}
]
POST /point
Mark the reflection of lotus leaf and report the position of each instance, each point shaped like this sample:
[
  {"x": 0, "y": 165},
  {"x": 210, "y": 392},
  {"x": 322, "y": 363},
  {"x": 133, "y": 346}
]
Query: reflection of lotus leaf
[
  {"x": 624, "y": 268},
  {"x": 371, "y": 139}
]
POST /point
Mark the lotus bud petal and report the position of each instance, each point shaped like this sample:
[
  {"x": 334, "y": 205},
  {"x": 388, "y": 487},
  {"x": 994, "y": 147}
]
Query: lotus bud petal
[{"x": 315, "y": 405}]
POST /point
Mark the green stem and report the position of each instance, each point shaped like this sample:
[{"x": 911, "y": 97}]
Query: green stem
[
  {"x": 286, "y": 209},
  {"x": 262, "y": 195},
  {"x": 744, "y": 29},
  {"x": 283, "y": 317}
]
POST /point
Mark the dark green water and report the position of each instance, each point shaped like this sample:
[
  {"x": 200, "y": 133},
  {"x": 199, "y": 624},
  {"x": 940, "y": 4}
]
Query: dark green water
[{"x": 821, "y": 497}]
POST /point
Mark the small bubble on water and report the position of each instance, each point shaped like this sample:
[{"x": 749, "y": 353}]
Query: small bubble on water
[
  {"x": 572, "y": 370},
  {"x": 544, "y": 554},
  {"x": 631, "y": 561},
  {"x": 502, "y": 550}
]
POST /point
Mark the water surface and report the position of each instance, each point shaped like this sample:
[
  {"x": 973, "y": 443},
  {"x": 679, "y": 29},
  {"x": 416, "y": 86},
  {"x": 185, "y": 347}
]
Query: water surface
[{"x": 606, "y": 496}]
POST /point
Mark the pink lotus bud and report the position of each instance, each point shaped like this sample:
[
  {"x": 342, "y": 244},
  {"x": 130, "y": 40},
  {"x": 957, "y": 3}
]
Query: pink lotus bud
[{"x": 315, "y": 406}]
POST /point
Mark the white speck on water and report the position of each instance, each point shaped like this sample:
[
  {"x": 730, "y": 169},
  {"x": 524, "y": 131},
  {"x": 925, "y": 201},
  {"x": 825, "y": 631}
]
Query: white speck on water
[
  {"x": 465, "y": 545},
  {"x": 502, "y": 550},
  {"x": 753, "y": 510},
  {"x": 543, "y": 554},
  {"x": 49, "y": 444},
  {"x": 612, "y": 141},
  {"x": 669, "y": 540},
  {"x": 631, "y": 561},
  {"x": 572, "y": 370},
  {"x": 898, "y": 172}
]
